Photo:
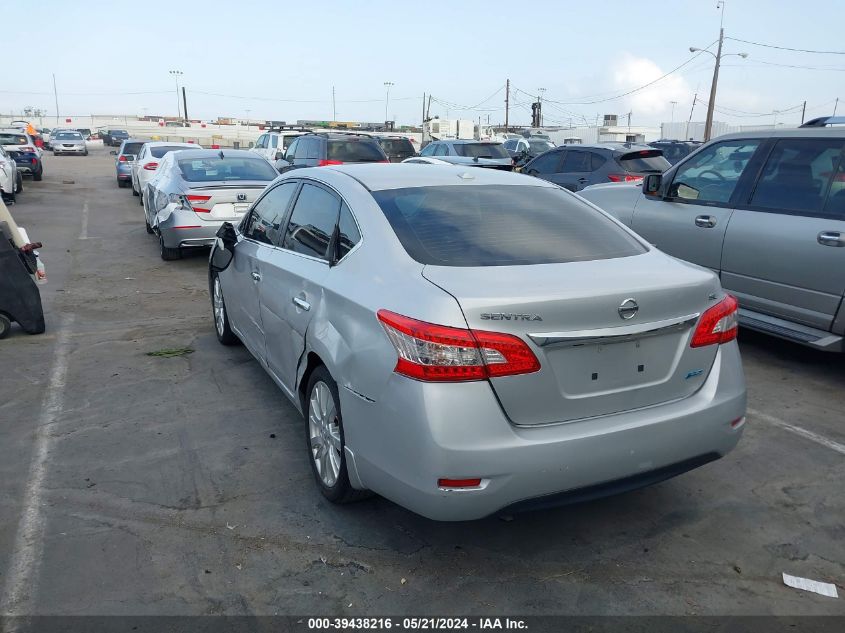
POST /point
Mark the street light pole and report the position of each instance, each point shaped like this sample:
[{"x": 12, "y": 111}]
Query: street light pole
[
  {"x": 387, "y": 85},
  {"x": 711, "y": 104},
  {"x": 541, "y": 92},
  {"x": 176, "y": 74}
]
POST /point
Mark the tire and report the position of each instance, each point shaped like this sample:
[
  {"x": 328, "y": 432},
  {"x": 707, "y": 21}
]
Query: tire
[
  {"x": 147, "y": 224},
  {"x": 168, "y": 254},
  {"x": 134, "y": 191},
  {"x": 324, "y": 439},
  {"x": 121, "y": 184},
  {"x": 38, "y": 175},
  {"x": 141, "y": 199},
  {"x": 221, "y": 317},
  {"x": 86, "y": 153},
  {"x": 5, "y": 326},
  {"x": 19, "y": 183}
]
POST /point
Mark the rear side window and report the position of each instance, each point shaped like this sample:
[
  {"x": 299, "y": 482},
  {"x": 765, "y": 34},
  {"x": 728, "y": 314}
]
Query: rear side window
[
  {"x": 501, "y": 225},
  {"x": 596, "y": 161},
  {"x": 160, "y": 150},
  {"x": 312, "y": 222},
  {"x": 348, "y": 231},
  {"x": 643, "y": 161},
  {"x": 397, "y": 147},
  {"x": 481, "y": 150},
  {"x": 797, "y": 174},
  {"x": 576, "y": 161},
  {"x": 227, "y": 168},
  {"x": 355, "y": 151}
]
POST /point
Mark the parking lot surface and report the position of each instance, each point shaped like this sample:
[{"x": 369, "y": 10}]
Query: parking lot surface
[{"x": 138, "y": 484}]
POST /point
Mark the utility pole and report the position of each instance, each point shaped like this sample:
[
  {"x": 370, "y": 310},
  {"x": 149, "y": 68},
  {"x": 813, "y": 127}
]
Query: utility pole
[
  {"x": 387, "y": 85},
  {"x": 185, "y": 103},
  {"x": 803, "y": 110},
  {"x": 334, "y": 108},
  {"x": 711, "y": 104},
  {"x": 540, "y": 106},
  {"x": 57, "y": 104},
  {"x": 691, "y": 110},
  {"x": 507, "y": 101},
  {"x": 422, "y": 127},
  {"x": 629, "y": 119},
  {"x": 56, "y": 96}
]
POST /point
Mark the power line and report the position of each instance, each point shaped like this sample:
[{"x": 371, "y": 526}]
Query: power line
[
  {"x": 760, "y": 61},
  {"x": 216, "y": 94},
  {"x": 786, "y": 48}
]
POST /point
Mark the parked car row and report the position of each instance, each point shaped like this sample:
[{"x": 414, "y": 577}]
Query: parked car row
[{"x": 19, "y": 157}]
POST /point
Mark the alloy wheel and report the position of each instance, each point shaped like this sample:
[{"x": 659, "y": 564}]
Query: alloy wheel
[
  {"x": 324, "y": 432},
  {"x": 219, "y": 308}
]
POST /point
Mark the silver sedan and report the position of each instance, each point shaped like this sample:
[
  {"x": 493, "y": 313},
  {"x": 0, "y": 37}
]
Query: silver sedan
[
  {"x": 68, "y": 142},
  {"x": 195, "y": 191},
  {"x": 465, "y": 341}
]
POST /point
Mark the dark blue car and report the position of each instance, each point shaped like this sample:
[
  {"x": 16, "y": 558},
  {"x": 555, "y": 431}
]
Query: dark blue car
[{"x": 21, "y": 147}]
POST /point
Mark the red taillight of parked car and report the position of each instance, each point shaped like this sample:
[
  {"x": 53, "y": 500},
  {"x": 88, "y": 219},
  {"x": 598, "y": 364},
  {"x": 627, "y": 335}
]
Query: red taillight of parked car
[
  {"x": 121, "y": 158},
  {"x": 151, "y": 166},
  {"x": 33, "y": 161},
  {"x": 323, "y": 162},
  {"x": 439, "y": 353},
  {"x": 623, "y": 178},
  {"x": 718, "y": 324},
  {"x": 194, "y": 200},
  {"x": 458, "y": 483}
]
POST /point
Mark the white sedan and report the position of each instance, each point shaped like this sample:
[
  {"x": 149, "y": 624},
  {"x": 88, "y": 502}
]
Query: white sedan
[{"x": 146, "y": 163}]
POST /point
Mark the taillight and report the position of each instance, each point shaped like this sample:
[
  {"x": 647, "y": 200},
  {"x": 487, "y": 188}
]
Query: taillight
[
  {"x": 623, "y": 178},
  {"x": 718, "y": 324},
  {"x": 458, "y": 483},
  {"x": 29, "y": 149},
  {"x": 324, "y": 162},
  {"x": 33, "y": 161},
  {"x": 439, "y": 353},
  {"x": 193, "y": 200},
  {"x": 121, "y": 159},
  {"x": 152, "y": 166}
]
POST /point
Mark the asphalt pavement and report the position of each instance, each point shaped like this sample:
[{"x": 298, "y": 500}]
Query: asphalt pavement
[{"x": 138, "y": 484}]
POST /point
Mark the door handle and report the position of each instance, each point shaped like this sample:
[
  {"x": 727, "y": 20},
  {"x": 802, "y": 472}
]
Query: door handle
[
  {"x": 302, "y": 304},
  {"x": 831, "y": 238},
  {"x": 582, "y": 180},
  {"x": 256, "y": 276},
  {"x": 705, "y": 221}
]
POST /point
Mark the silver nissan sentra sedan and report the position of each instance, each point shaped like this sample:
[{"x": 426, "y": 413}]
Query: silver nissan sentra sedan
[{"x": 465, "y": 341}]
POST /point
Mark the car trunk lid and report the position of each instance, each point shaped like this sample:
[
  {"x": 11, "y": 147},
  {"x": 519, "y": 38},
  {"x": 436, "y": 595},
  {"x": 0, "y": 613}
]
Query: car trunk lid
[
  {"x": 224, "y": 201},
  {"x": 597, "y": 354}
]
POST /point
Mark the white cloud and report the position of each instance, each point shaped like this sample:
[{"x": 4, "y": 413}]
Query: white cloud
[{"x": 654, "y": 101}]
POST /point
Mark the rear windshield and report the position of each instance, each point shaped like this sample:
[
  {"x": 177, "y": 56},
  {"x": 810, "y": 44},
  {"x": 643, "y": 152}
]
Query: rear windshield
[
  {"x": 160, "y": 150},
  {"x": 132, "y": 148},
  {"x": 69, "y": 136},
  {"x": 538, "y": 147},
  {"x": 647, "y": 160},
  {"x": 500, "y": 225},
  {"x": 13, "y": 139},
  {"x": 481, "y": 150},
  {"x": 216, "y": 168},
  {"x": 355, "y": 151},
  {"x": 396, "y": 146}
]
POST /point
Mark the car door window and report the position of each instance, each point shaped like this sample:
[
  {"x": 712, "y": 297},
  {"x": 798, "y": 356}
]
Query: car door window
[
  {"x": 290, "y": 152},
  {"x": 312, "y": 221},
  {"x": 267, "y": 215},
  {"x": 442, "y": 150},
  {"x": 428, "y": 150},
  {"x": 546, "y": 163},
  {"x": 348, "y": 232},
  {"x": 835, "y": 205},
  {"x": 712, "y": 175},
  {"x": 797, "y": 175},
  {"x": 596, "y": 161},
  {"x": 274, "y": 141},
  {"x": 576, "y": 162},
  {"x": 260, "y": 143},
  {"x": 511, "y": 145}
]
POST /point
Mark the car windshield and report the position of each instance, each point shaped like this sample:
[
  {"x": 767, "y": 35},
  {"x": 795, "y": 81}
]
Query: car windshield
[
  {"x": 481, "y": 150},
  {"x": 397, "y": 146},
  {"x": 13, "y": 139},
  {"x": 160, "y": 150},
  {"x": 69, "y": 136},
  {"x": 538, "y": 147},
  {"x": 226, "y": 168},
  {"x": 355, "y": 151},
  {"x": 131, "y": 148},
  {"x": 647, "y": 160},
  {"x": 500, "y": 225}
]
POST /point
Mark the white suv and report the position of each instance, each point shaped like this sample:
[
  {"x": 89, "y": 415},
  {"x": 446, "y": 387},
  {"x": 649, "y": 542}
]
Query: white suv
[{"x": 276, "y": 142}]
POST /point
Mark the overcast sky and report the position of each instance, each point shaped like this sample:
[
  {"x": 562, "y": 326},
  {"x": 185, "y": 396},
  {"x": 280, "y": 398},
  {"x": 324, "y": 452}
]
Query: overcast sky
[{"x": 277, "y": 59}]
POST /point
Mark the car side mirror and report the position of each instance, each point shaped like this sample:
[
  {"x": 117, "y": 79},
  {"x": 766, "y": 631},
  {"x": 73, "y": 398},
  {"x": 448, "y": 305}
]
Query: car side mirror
[
  {"x": 227, "y": 235},
  {"x": 652, "y": 184},
  {"x": 280, "y": 155},
  {"x": 113, "y": 152},
  {"x": 282, "y": 165}
]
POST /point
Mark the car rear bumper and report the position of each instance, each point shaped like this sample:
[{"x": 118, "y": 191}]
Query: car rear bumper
[
  {"x": 28, "y": 166},
  {"x": 185, "y": 230},
  {"x": 58, "y": 149},
  {"x": 419, "y": 432}
]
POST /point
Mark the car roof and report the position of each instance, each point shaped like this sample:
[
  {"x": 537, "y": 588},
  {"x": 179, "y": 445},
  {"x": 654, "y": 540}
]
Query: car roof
[
  {"x": 610, "y": 146},
  {"x": 16, "y": 130},
  {"x": 466, "y": 141},
  {"x": 381, "y": 176},
  {"x": 212, "y": 153},
  {"x": 172, "y": 143},
  {"x": 804, "y": 132}
]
